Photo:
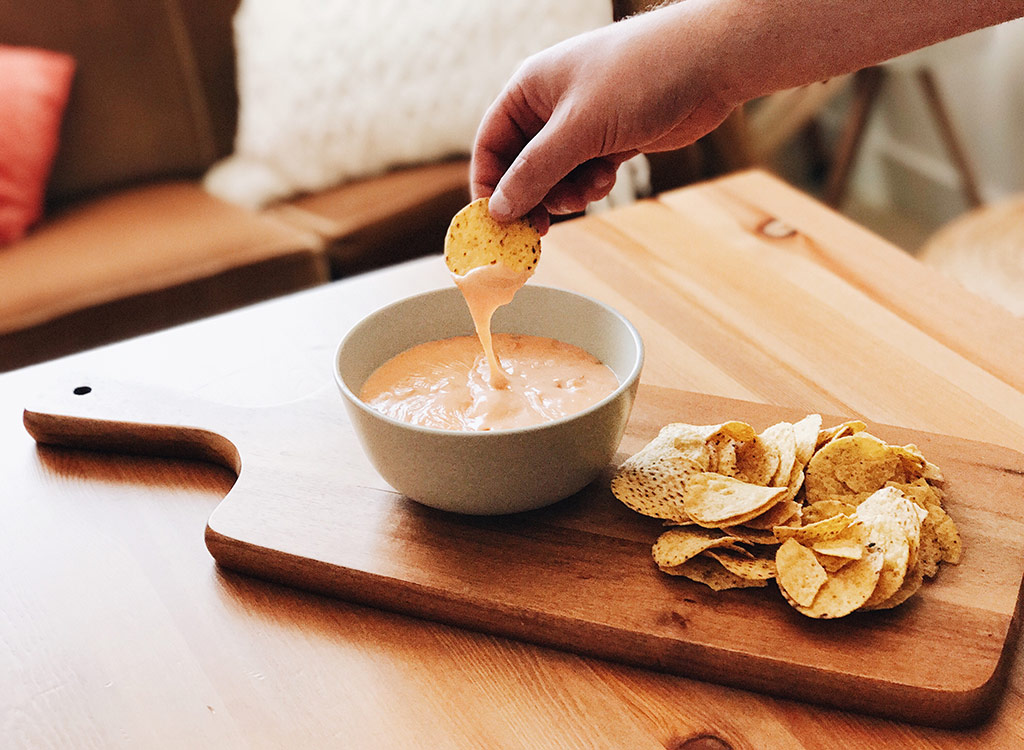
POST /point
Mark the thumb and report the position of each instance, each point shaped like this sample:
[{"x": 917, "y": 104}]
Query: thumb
[{"x": 544, "y": 161}]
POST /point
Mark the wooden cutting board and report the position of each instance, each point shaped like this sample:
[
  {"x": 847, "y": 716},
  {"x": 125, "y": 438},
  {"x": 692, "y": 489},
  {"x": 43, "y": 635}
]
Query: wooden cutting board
[{"x": 308, "y": 510}]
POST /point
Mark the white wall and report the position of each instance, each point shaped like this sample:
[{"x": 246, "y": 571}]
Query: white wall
[{"x": 903, "y": 165}]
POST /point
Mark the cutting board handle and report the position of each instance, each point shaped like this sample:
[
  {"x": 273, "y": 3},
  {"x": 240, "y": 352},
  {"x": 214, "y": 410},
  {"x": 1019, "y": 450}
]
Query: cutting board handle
[{"x": 118, "y": 417}]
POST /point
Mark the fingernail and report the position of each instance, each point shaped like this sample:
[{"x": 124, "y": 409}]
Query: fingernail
[
  {"x": 499, "y": 206},
  {"x": 560, "y": 207}
]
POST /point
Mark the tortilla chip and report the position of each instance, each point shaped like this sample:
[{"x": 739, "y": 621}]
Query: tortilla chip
[
  {"x": 784, "y": 512},
  {"x": 761, "y": 537},
  {"x": 655, "y": 488},
  {"x": 920, "y": 492},
  {"x": 715, "y": 500},
  {"x": 929, "y": 555},
  {"x": 911, "y": 584},
  {"x": 862, "y": 462},
  {"x": 751, "y": 568},
  {"x": 805, "y": 434},
  {"x": 840, "y": 430},
  {"x": 820, "y": 480},
  {"x": 820, "y": 531},
  {"x": 711, "y": 573},
  {"x": 893, "y": 523},
  {"x": 847, "y": 548},
  {"x": 822, "y": 509},
  {"x": 799, "y": 573},
  {"x": 741, "y": 432},
  {"x": 756, "y": 462},
  {"x": 847, "y": 589},
  {"x": 947, "y": 535},
  {"x": 915, "y": 465},
  {"x": 676, "y": 546},
  {"x": 723, "y": 457},
  {"x": 783, "y": 439},
  {"x": 841, "y": 519},
  {"x": 796, "y": 482},
  {"x": 831, "y": 564},
  {"x": 475, "y": 239}
]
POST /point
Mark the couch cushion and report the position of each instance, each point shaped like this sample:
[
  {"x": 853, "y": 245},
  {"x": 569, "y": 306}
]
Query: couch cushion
[
  {"x": 370, "y": 223},
  {"x": 139, "y": 241},
  {"x": 345, "y": 90},
  {"x": 34, "y": 87},
  {"x": 136, "y": 109}
]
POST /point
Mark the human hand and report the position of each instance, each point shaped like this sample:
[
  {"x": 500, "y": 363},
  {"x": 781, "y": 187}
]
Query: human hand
[
  {"x": 554, "y": 137},
  {"x": 552, "y": 141}
]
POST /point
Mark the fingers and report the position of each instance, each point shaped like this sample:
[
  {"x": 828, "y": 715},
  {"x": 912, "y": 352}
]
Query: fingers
[
  {"x": 543, "y": 162},
  {"x": 534, "y": 135},
  {"x": 507, "y": 126},
  {"x": 541, "y": 219},
  {"x": 541, "y": 145},
  {"x": 589, "y": 182}
]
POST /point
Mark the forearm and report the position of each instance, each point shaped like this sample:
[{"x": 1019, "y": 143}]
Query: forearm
[
  {"x": 755, "y": 47},
  {"x": 661, "y": 80}
]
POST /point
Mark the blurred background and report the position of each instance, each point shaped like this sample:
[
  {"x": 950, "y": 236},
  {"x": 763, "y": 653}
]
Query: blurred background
[
  {"x": 165, "y": 160},
  {"x": 944, "y": 132}
]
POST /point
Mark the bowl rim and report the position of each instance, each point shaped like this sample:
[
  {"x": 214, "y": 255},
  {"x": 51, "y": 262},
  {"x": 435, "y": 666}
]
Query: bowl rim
[{"x": 624, "y": 385}]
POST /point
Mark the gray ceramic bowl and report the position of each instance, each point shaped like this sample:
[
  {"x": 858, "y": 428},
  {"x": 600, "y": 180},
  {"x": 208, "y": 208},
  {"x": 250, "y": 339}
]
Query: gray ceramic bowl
[{"x": 499, "y": 471}]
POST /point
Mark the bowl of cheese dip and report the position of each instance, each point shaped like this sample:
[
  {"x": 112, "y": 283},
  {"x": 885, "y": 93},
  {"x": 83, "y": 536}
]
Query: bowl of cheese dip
[{"x": 440, "y": 428}]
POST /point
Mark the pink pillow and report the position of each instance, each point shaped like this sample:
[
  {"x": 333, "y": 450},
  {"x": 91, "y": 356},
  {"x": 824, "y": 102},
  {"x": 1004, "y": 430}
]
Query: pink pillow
[{"x": 34, "y": 86}]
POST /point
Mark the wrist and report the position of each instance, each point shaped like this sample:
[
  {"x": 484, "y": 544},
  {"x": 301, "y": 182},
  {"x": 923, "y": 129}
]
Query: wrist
[{"x": 696, "y": 41}]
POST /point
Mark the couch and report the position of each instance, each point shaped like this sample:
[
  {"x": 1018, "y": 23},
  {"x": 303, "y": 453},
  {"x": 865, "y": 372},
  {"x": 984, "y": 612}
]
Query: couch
[{"x": 130, "y": 241}]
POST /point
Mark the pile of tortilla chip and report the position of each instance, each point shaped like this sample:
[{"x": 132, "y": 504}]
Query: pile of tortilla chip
[{"x": 840, "y": 519}]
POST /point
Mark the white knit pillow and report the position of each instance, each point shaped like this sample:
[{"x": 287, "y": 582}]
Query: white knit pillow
[{"x": 331, "y": 90}]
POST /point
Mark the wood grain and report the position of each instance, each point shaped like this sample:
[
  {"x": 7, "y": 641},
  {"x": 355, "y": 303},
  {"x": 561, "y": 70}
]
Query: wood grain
[
  {"x": 118, "y": 630},
  {"x": 308, "y": 510}
]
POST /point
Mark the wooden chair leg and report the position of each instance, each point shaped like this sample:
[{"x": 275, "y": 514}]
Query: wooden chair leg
[
  {"x": 813, "y": 142},
  {"x": 867, "y": 83},
  {"x": 949, "y": 136}
]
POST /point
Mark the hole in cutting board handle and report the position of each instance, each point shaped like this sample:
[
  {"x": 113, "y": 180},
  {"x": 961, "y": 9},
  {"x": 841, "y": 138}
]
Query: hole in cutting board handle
[{"x": 82, "y": 390}]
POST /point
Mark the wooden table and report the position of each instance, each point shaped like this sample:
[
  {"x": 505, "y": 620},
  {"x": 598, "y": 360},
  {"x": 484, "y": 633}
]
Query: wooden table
[{"x": 117, "y": 629}]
